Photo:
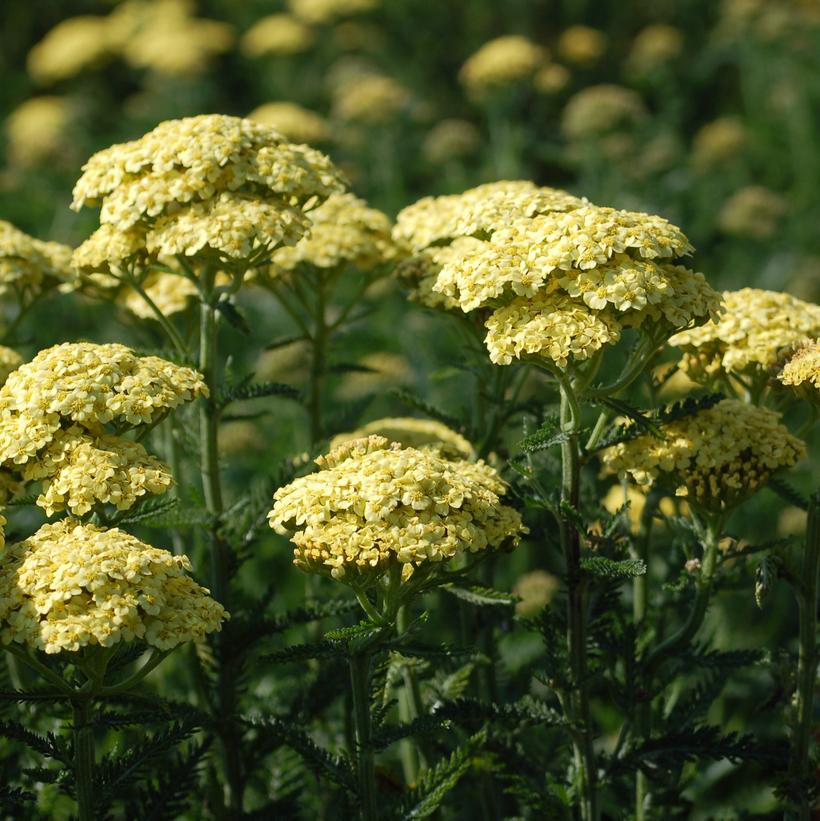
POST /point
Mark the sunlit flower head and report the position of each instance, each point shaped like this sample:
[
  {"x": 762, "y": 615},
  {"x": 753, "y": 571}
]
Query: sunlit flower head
[
  {"x": 68, "y": 48},
  {"x": 327, "y": 11},
  {"x": 38, "y": 130},
  {"x": 802, "y": 371},
  {"x": 277, "y": 34},
  {"x": 582, "y": 45},
  {"x": 294, "y": 122},
  {"x": 29, "y": 266},
  {"x": 602, "y": 109},
  {"x": 501, "y": 63}
]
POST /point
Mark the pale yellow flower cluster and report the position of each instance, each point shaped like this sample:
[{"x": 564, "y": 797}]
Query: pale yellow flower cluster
[
  {"x": 450, "y": 139},
  {"x": 802, "y": 371},
  {"x": 535, "y": 591},
  {"x": 328, "y": 11},
  {"x": 754, "y": 211},
  {"x": 374, "y": 505},
  {"x": 582, "y": 45},
  {"x": 68, "y": 48},
  {"x": 294, "y": 122},
  {"x": 501, "y": 63},
  {"x": 717, "y": 142},
  {"x": 655, "y": 46},
  {"x": 786, "y": 20},
  {"x": 213, "y": 186},
  {"x": 277, "y": 34},
  {"x": 344, "y": 231},
  {"x": 636, "y": 496},
  {"x": 756, "y": 329},
  {"x": 422, "y": 434},
  {"x": 161, "y": 35},
  {"x": 169, "y": 292},
  {"x": 601, "y": 109},
  {"x": 71, "y": 586},
  {"x": 52, "y": 416},
  {"x": 80, "y": 470},
  {"x": 559, "y": 276},
  {"x": 10, "y": 360},
  {"x": 29, "y": 266},
  {"x": 373, "y": 99},
  {"x": 38, "y": 130},
  {"x": 716, "y": 457},
  {"x": 165, "y": 36}
]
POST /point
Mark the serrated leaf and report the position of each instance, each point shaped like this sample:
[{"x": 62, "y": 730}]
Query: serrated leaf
[
  {"x": 604, "y": 568},
  {"x": 234, "y": 316},
  {"x": 410, "y": 399},
  {"x": 256, "y": 390},
  {"x": 481, "y": 596}
]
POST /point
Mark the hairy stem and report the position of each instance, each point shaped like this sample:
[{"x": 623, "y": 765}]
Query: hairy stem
[
  {"x": 83, "y": 759},
  {"x": 220, "y": 551},
  {"x": 365, "y": 769},
  {"x": 576, "y": 617},
  {"x": 807, "y": 596}
]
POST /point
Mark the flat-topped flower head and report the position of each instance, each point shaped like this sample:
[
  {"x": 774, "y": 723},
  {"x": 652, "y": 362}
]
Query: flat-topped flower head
[
  {"x": 293, "y": 121},
  {"x": 28, "y": 265},
  {"x": 71, "y": 586},
  {"x": 501, "y": 63},
  {"x": 477, "y": 212},
  {"x": 802, "y": 371},
  {"x": 602, "y": 109},
  {"x": 716, "y": 458},
  {"x": 328, "y": 11},
  {"x": 423, "y": 434},
  {"x": 91, "y": 385},
  {"x": 375, "y": 505},
  {"x": 211, "y": 187},
  {"x": 81, "y": 471},
  {"x": 344, "y": 231},
  {"x": 757, "y": 328},
  {"x": 68, "y": 48},
  {"x": 10, "y": 360}
]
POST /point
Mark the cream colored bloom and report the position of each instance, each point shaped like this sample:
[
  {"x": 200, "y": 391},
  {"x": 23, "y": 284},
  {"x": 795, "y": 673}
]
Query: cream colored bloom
[
  {"x": 536, "y": 590},
  {"x": 449, "y": 140},
  {"x": 373, "y": 505},
  {"x": 374, "y": 99},
  {"x": 294, "y": 122},
  {"x": 215, "y": 186},
  {"x": 71, "y": 586},
  {"x": 716, "y": 457},
  {"x": 552, "y": 78},
  {"x": 500, "y": 63},
  {"x": 277, "y": 34},
  {"x": 413, "y": 433},
  {"x": 38, "y": 130},
  {"x": 81, "y": 471},
  {"x": 582, "y": 45},
  {"x": 754, "y": 211},
  {"x": 169, "y": 292},
  {"x": 598, "y": 110},
  {"x": 327, "y": 11},
  {"x": 756, "y": 329},
  {"x": 68, "y": 48},
  {"x": 29, "y": 266},
  {"x": 655, "y": 46},
  {"x": 718, "y": 142},
  {"x": 802, "y": 371},
  {"x": 344, "y": 231},
  {"x": 10, "y": 360}
]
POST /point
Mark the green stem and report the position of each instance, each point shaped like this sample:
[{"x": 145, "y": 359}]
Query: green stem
[
  {"x": 365, "y": 768},
  {"x": 37, "y": 666},
  {"x": 83, "y": 759},
  {"x": 576, "y": 618},
  {"x": 171, "y": 332},
  {"x": 157, "y": 657},
  {"x": 703, "y": 590},
  {"x": 318, "y": 364},
  {"x": 175, "y": 463},
  {"x": 807, "y": 595},
  {"x": 220, "y": 551},
  {"x": 410, "y": 708},
  {"x": 634, "y": 368}
]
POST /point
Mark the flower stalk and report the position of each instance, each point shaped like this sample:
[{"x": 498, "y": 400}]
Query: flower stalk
[
  {"x": 365, "y": 768},
  {"x": 84, "y": 760}
]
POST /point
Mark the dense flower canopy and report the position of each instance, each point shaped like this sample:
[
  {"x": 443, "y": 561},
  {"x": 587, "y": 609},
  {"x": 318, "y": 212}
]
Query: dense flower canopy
[
  {"x": 716, "y": 457},
  {"x": 29, "y": 266},
  {"x": 756, "y": 329},
  {"x": 74, "y": 585},
  {"x": 375, "y": 504},
  {"x": 423, "y": 434},
  {"x": 344, "y": 230},
  {"x": 214, "y": 187},
  {"x": 802, "y": 371}
]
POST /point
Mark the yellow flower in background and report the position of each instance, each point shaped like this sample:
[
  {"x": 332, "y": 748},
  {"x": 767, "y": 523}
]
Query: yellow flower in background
[
  {"x": 10, "y": 360},
  {"x": 552, "y": 78},
  {"x": 535, "y": 590},
  {"x": 615, "y": 499},
  {"x": 344, "y": 231},
  {"x": 413, "y": 433},
  {"x": 802, "y": 371},
  {"x": 449, "y": 140},
  {"x": 37, "y": 130},
  {"x": 754, "y": 212},
  {"x": 501, "y": 63},
  {"x": 293, "y": 121},
  {"x": 716, "y": 457},
  {"x": 601, "y": 109},
  {"x": 28, "y": 266},
  {"x": 373, "y": 506},
  {"x": 653, "y": 47},
  {"x": 71, "y": 46},
  {"x": 171, "y": 293},
  {"x": 582, "y": 46},
  {"x": 380, "y": 370},
  {"x": 756, "y": 329},
  {"x": 327, "y": 11},
  {"x": 717, "y": 142},
  {"x": 71, "y": 586},
  {"x": 371, "y": 99},
  {"x": 215, "y": 187},
  {"x": 277, "y": 34}
]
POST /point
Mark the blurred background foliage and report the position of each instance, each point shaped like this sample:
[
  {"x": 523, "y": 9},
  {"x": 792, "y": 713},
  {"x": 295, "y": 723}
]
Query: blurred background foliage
[{"x": 704, "y": 111}]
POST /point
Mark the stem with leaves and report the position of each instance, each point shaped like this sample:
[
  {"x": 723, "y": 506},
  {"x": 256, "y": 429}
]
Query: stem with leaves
[
  {"x": 807, "y": 600},
  {"x": 83, "y": 758},
  {"x": 576, "y": 615},
  {"x": 365, "y": 768}
]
